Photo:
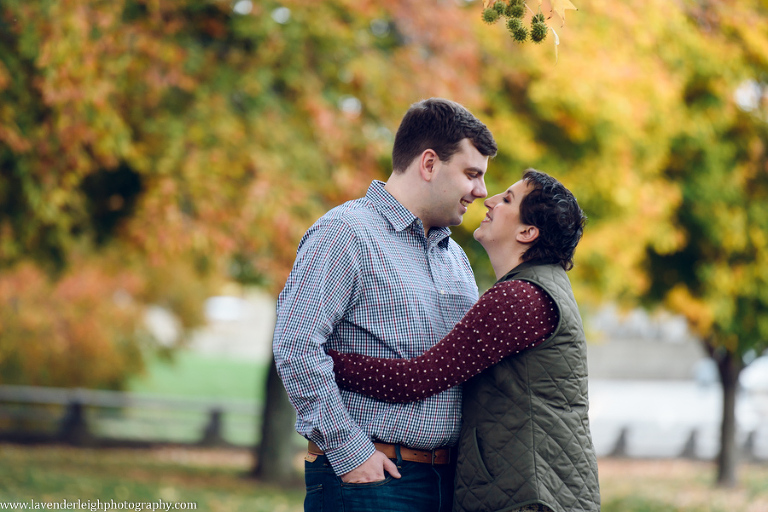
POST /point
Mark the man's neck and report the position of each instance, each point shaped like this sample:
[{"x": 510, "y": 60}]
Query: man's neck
[{"x": 407, "y": 194}]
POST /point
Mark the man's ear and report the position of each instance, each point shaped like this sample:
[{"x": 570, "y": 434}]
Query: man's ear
[
  {"x": 527, "y": 234},
  {"x": 427, "y": 164}
]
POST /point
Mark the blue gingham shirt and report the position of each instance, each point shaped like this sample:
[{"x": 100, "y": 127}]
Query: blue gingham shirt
[{"x": 367, "y": 280}]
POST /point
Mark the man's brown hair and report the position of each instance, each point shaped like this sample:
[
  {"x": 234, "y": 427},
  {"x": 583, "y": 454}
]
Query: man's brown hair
[{"x": 440, "y": 125}]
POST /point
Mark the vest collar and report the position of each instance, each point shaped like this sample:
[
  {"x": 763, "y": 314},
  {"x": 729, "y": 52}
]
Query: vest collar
[{"x": 509, "y": 276}]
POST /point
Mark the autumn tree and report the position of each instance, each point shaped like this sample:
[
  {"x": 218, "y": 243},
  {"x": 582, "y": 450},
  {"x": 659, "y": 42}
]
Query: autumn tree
[{"x": 717, "y": 276}]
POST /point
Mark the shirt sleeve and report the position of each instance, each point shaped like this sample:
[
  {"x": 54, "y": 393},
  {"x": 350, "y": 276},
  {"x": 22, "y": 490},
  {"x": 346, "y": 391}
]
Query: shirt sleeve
[
  {"x": 322, "y": 285},
  {"x": 510, "y": 317}
]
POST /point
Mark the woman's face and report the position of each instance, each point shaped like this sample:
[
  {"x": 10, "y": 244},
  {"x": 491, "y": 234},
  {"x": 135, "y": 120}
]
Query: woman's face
[{"x": 502, "y": 222}]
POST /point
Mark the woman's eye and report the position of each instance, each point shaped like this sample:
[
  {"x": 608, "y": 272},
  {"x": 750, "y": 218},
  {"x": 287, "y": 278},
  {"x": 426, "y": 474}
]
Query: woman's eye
[{"x": 506, "y": 199}]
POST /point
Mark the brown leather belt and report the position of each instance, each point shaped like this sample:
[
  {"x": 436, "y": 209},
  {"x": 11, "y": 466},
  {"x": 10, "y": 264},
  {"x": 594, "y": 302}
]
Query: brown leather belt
[{"x": 437, "y": 456}]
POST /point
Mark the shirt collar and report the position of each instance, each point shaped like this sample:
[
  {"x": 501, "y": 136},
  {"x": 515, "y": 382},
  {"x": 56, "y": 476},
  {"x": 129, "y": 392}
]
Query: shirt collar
[{"x": 399, "y": 216}]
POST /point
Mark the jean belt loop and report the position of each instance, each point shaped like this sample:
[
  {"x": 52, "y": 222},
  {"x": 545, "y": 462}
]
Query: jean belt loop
[{"x": 399, "y": 457}]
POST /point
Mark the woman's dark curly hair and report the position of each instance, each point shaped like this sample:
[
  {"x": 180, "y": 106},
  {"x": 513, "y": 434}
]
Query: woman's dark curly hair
[{"x": 553, "y": 209}]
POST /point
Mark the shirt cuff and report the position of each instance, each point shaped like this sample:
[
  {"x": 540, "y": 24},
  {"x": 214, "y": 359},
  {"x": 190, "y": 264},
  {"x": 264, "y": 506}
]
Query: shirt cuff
[{"x": 351, "y": 454}]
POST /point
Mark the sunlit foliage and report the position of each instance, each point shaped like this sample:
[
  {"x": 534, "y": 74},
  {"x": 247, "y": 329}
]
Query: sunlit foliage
[
  {"x": 194, "y": 141},
  {"x": 180, "y": 144}
]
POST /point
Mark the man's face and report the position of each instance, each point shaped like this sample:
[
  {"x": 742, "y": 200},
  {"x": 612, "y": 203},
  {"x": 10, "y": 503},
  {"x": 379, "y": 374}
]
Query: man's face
[{"x": 457, "y": 183}]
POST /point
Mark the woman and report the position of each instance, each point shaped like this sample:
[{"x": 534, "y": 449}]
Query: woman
[{"x": 525, "y": 442}]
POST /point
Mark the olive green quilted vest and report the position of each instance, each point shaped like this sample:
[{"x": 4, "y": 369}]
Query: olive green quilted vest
[{"x": 525, "y": 436}]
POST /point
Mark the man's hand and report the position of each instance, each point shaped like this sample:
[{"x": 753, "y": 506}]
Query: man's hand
[{"x": 372, "y": 470}]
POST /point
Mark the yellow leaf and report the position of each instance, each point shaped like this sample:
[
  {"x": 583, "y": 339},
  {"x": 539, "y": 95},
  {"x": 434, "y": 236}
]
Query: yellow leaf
[
  {"x": 560, "y": 6},
  {"x": 488, "y": 3}
]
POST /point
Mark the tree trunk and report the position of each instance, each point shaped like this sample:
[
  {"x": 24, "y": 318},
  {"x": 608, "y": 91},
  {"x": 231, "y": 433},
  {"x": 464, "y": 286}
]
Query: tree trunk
[
  {"x": 275, "y": 453},
  {"x": 729, "y": 367}
]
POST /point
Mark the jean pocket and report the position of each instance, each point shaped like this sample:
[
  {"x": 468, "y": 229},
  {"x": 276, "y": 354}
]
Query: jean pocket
[
  {"x": 380, "y": 496},
  {"x": 366, "y": 485},
  {"x": 314, "y": 499}
]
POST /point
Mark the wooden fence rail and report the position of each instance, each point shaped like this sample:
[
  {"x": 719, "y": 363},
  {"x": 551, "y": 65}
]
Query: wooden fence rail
[
  {"x": 111, "y": 418},
  {"x": 86, "y": 416}
]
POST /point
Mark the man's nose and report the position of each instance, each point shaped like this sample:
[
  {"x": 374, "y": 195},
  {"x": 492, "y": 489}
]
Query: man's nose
[{"x": 480, "y": 190}]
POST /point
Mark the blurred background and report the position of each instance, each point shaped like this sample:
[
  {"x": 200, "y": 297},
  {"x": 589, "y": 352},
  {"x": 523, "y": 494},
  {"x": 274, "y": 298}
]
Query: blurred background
[{"x": 159, "y": 161}]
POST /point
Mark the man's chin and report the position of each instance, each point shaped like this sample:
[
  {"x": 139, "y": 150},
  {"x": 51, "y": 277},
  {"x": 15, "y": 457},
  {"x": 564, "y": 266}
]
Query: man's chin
[{"x": 451, "y": 223}]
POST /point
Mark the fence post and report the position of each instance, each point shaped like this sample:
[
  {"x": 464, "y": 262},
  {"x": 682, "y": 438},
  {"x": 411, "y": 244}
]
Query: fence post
[
  {"x": 620, "y": 448},
  {"x": 748, "y": 449},
  {"x": 689, "y": 448},
  {"x": 73, "y": 428},
  {"x": 212, "y": 433}
]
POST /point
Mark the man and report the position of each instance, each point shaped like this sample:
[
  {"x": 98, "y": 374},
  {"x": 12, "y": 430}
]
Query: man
[{"x": 380, "y": 276}]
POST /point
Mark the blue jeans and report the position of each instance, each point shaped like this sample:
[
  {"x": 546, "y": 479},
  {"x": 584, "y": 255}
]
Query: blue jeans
[{"x": 422, "y": 488}]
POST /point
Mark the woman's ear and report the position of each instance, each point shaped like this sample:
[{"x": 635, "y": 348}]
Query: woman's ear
[
  {"x": 527, "y": 234},
  {"x": 427, "y": 163}
]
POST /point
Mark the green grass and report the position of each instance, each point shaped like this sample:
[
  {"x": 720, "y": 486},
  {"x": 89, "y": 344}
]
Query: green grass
[
  {"x": 195, "y": 375},
  {"x": 215, "y": 480}
]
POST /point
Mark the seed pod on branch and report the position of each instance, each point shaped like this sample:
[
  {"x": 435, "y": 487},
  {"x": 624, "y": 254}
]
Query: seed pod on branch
[
  {"x": 520, "y": 34},
  {"x": 538, "y": 32},
  {"x": 490, "y": 16},
  {"x": 515, "y": 10}
]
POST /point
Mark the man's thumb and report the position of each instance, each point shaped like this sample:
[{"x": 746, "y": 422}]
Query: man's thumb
[{"x": 391, "y": 468}]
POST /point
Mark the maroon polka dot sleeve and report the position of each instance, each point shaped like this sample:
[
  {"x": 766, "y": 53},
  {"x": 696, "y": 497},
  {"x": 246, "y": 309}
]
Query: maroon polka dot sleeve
[{"x": 510, "y": 317}]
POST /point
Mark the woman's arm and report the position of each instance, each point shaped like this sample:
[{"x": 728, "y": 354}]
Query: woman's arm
[{"x": 508, "y": 318}]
